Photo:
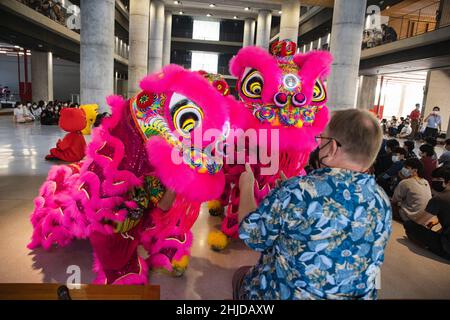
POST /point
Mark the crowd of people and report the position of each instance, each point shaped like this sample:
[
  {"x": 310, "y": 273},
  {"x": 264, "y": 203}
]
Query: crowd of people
[
  {"x": 413, "y": 126},
  {"x": 366, "y": 180},
  {"x": 52, "y": 9},
  {"x": 47, "y": 114},
  {"x": 417, "y": 183},
  {"x": 375, "y": 37}
]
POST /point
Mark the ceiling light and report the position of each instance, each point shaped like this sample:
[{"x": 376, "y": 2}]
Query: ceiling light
[
  {"x": 235, "y": 17},
  {"x": 209, "y": 15},
  {"x": 40, "y": 45},
  {"x": 2, "y": 51},
  {"x": 247, "y": 8},
  {"x": 177, "y": 2},
  {"x": 17, "y": 47},
  {"x": 212, "y": 5},
  {"x": 181, "y": 12},
  {"x": 280, "y": 12}
]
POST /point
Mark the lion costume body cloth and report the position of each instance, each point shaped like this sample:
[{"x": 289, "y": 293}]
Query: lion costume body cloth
[{"x": 111, "y": 197}]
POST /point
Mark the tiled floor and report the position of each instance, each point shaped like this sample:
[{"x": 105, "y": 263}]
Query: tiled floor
[{"x": 408, "y": 272}]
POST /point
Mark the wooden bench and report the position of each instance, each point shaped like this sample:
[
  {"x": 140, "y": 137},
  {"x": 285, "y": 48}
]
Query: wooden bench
[{"x": 48, "y": 291}]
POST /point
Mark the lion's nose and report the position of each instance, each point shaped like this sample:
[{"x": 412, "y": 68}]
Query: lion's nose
[{"x": 280, "y": 99}]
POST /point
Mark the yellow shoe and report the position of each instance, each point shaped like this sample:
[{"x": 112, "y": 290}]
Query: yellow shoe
[
  {"x": 180, "y": 266},
  {"x": 217, "y": 240},
  {"x": 215, "y": 208}
]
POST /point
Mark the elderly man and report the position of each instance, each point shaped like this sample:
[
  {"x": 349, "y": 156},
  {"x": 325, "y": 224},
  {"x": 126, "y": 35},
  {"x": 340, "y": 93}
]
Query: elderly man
[{"x": 321, "y": 236}]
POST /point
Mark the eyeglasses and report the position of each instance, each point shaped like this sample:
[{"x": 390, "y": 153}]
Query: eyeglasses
[{"x": 319, "y": 139}]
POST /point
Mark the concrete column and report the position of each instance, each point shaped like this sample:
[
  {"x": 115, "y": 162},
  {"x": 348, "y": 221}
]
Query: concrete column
[
  {"x": 97, "y": 52},
  {"x": 167, "y": 37},
  {"x": 366, "y": 92},
  {"x": 42, "y": 76},
  {"x": 346, "y": 38},
  {"x": 249, "y": 33},
  {"x": 137, "y": 61},
  {"x": 263, "y": 29},
  {"x": 156, "y": 36},
  {"x": 290, "y": 19}
]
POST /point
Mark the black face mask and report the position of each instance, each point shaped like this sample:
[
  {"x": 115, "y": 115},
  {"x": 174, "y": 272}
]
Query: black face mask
[
  {"x": 437, "y": 186},
  {"x": 314, "y": 159}
]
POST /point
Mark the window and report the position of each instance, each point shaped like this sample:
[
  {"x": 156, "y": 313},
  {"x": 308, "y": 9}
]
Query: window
[
  {"x": 207, "y": 61},
  {"x": 206, "y": 30}
]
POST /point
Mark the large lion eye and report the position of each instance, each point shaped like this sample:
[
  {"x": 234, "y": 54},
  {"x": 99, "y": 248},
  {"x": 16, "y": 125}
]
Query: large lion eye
[
  {"x": 186, "y": 116},
  {"x": 319, "y": 92},
  {"x": 252, "y": 85}
]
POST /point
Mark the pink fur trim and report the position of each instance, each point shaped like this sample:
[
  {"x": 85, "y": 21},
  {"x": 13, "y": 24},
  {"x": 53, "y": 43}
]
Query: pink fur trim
[{"x": 261, "y": 60}]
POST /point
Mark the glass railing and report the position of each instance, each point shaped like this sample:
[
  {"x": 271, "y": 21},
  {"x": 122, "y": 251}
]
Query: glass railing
[{"x": 396, "y": 27}]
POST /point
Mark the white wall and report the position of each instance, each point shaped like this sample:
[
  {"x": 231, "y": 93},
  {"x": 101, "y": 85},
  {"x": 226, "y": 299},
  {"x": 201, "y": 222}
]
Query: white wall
[
  {"x": 438, "y": 94},
  {"x": 66, "y": 76}
]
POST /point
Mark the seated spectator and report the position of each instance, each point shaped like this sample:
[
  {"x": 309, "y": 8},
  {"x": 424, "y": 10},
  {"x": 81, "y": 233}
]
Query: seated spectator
[
  {"x": 27, "y": 111},
  {"x": 437, "y": 180},
  {"x": 36, "y": 110},
  {"x": 20, "y": 116},
  {"x": 384, "y": 157},
  {"x": 409, "y": 146},
  {"x": 436, "y": 242},
  {"x": 392, "y": 127},
  {"x": 426, "y": 155},
  {"x": 335, "y": 222},
  {"x": 384, "y": 126},
  {"x": 412, "y": 193},
  {"x": 405, "y": 131},
  {"x": 389, "y": 33},
  {"x": 444, "y": 159},
  {"x": 47, "y": 115},
  {"x": 432, "y": 142},
  {"x": 388, "y": 180}
]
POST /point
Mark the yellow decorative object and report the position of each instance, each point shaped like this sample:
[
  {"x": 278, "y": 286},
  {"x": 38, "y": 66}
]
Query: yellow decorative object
[
  {"x": 91, "y": 114},
  {"x": 215, "y": 208},
  {"x": 217, "y": 240},
  {"x": 180, "y": 266}
]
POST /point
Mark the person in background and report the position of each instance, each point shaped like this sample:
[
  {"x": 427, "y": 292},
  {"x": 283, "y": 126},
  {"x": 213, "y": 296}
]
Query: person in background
[
  {"x": 412, "y": 193},
  {"x": 432, "y": 142},
  {"x": 321, "y": 236},
  {"x": 401, "y": 125},
  {"x": 392, "y": 127},
  {"x": 415, "y": 120},
  {"x": 36, "y": 111},
  {"x": 384, "y": 126},
  {"x": 384, "y": 157},
  {"x": 433, "y": 123},
  {"x": 406, "y": 130},
  {"x": 426, "y": 155},
  {"x": 444, "y": 159},
  {"x": 409, "y": 146},
  {"x": 19, "y": 116},
  {"x": 47, "y": 115},
  {"x": 389, "y": 33},
  {"x": 388, "y": 180},
  {"x": 438, "y": 206},
  {"x": 27, "y": 111}
]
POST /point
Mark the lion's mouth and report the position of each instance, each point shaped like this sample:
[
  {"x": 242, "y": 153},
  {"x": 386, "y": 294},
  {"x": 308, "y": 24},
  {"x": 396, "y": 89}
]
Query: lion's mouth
[{"x": 287, "y": 116}]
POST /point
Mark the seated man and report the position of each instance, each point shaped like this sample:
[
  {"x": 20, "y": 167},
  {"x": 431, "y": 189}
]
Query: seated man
[
  {"x": 384, "y": 157},
  {"x": 428, "y": 159},
  {"x": 409, "y": 146},
  {"x": 405, "y": 131},
  {"x": 388, "y": 180},
  {"x": 412, "y": 193},
  {"x": 436, "y": 242},
  {"x": 444, "y": 159},
  {"x": 321, "y": 236}
]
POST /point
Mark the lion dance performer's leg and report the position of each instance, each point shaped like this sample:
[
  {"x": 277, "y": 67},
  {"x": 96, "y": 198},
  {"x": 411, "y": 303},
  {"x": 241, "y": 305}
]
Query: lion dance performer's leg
[
  {"x": 116, "y": 260},
  {"x": 167, "y": 236}
]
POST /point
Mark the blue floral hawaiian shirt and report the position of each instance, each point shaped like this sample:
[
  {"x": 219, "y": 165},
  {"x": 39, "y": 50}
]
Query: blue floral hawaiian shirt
[{"x": 322, "y": 236}]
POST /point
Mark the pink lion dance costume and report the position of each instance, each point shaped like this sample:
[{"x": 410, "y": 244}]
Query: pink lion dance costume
[
  {"x": 284, "y": 92},
  {"x": 112, "y": 197}
]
